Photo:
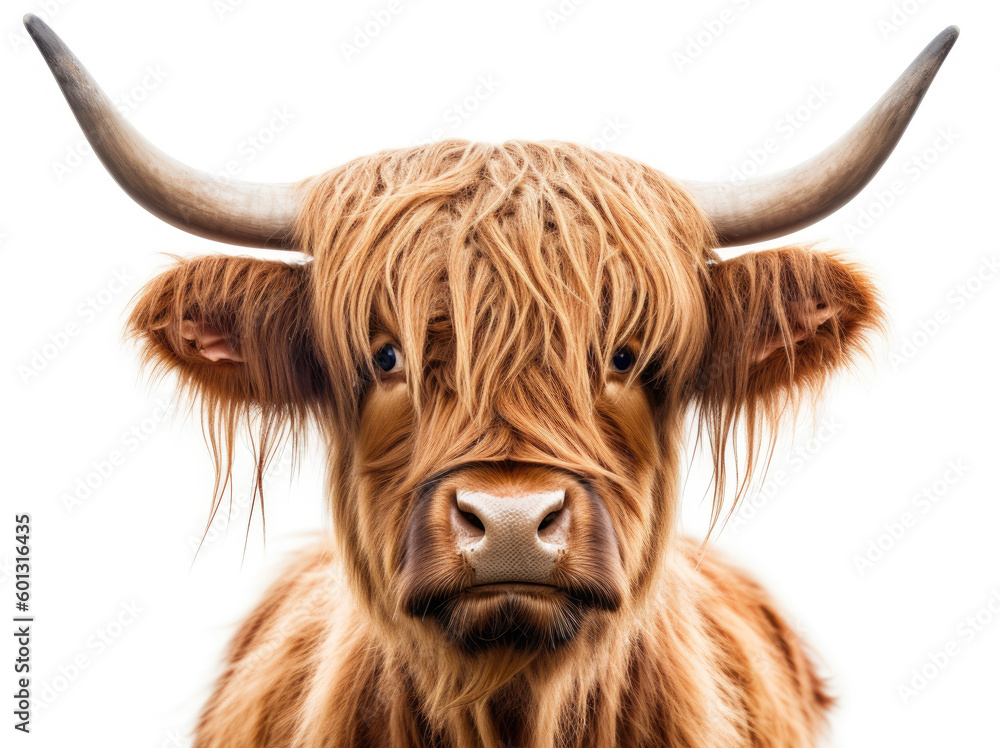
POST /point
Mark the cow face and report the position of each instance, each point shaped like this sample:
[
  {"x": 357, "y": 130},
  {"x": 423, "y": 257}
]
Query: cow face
[
  {"x": 513, "y": 437},
  {"x": 500, "y": 344}
]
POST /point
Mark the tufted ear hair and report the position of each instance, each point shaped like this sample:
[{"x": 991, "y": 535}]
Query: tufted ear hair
[
  {"x": 780, "y": 322},
  {"x": 237, "y": 332}
]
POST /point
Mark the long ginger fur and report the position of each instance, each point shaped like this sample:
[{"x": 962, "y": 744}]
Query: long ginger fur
[{"x": 509, "y": 275}]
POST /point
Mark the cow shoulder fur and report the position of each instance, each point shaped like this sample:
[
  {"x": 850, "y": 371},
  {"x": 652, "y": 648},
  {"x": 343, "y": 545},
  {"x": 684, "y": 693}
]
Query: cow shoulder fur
[{"x": 712, "y": 663}]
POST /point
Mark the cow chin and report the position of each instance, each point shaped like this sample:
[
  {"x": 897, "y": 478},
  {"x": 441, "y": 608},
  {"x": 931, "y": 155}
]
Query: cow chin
[{"x": 518, "y": 616}]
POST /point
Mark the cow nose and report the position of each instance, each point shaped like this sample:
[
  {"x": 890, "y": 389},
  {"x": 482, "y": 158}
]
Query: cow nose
[{"x": 511, "y": 538}]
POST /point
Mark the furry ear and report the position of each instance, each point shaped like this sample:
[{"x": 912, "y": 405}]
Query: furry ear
[
  {"x": 237, "y": 332},
  {"x": 234, "y": 328},
  {"x": 780, "y": 322}
]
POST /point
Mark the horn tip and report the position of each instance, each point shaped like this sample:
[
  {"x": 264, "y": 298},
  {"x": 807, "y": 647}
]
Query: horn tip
[
  {"x": 944, "y": 41},
  {"x": 926, "y": 65},
  {"x": 39, "y": 31},
  {"x": 33, "y": 23}
]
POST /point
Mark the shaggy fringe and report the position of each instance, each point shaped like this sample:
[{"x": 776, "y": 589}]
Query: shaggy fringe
[
  {"x": 522, "y": 267},
  {"x": 554, "y": 254}
]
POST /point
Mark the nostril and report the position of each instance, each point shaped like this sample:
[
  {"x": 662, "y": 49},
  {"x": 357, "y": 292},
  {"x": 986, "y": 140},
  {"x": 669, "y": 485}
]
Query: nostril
[
  {"x": 554, "y": 527},
  {"x": 547, "y": 520},
  {"x": 473, "y": 520},
  {"x": 468, "y": 526}
]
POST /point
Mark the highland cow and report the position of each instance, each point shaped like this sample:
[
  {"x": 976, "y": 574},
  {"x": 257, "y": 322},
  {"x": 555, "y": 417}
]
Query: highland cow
[{"x": 500, "y": 346}]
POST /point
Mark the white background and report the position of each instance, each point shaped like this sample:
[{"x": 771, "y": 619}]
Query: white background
[{"x": 892, "y": 427}]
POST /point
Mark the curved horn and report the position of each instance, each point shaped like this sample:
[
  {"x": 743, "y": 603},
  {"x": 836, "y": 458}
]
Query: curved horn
[
  {"x": 248, "y": 213},
  {"x": 764, "y": 208}
]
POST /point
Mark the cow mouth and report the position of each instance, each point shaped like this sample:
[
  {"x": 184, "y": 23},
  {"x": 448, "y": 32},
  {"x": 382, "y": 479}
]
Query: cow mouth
[
  {"x": 518, "y": 615},
  {"x": 512, "y": 588}
]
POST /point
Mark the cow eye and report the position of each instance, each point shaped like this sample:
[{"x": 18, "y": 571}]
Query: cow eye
[
  {"x": 622, "y": 360},
  {"x": 389, "y": 358}
]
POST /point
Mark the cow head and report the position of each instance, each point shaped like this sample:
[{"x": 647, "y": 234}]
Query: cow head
[{"x": 500, "y": 344}]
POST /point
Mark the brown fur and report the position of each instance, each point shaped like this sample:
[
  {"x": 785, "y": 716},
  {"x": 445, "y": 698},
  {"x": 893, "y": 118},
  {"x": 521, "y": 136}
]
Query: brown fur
[{"x": 509, "y": 276}]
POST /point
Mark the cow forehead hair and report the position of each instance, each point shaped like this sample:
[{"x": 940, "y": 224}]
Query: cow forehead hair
[{"x": 547, "y": 254}]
